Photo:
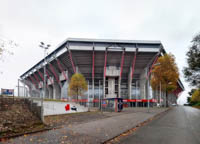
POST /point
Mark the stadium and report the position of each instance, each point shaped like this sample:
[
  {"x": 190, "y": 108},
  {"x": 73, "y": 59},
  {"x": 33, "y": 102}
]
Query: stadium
[{"x": 112, "y": 68}]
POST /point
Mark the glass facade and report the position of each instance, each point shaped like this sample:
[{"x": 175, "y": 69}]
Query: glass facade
[
  {"x": 124, "y": 89},
  {"x": 135, "y": 89}
]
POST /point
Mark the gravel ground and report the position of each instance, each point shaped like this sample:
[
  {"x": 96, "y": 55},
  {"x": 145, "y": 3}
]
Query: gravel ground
[{"x": 73, "y": 119}]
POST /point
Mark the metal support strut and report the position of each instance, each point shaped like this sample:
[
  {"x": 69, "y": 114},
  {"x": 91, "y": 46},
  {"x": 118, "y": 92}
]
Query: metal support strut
[
  {"x": 49, "y": 77},
  {"x": 33, "y": 82},
  {"x": 37, "y": 80},
  {"x": 54, "y": 73},
  {"x": 133, "y": 65},
  {"x": 42, "y": 77},
  {"x": 61, "y": 69},
  {"x": 122, "y": 63},
  {"x": 70, "y": 57},
  {"x": 155, "y": 60}
]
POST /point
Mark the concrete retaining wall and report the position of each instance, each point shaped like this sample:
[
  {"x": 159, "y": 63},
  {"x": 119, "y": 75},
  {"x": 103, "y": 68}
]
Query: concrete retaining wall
[{"x": 56, "y": 108}]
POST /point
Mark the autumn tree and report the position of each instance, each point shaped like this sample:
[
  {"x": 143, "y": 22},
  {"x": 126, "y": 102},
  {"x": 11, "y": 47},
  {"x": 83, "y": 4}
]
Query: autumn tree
[
  {"x": 192, "y": 71},
  {"x": 196, "y": 97},
  {"x": 78, "y": 85},
  {"x": 190, "y": 95},
  {"x": 165, "y": 71}
]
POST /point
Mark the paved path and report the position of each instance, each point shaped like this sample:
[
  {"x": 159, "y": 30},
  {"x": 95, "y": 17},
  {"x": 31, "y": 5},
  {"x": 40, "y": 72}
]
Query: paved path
[
  {"x": 181, "y": 125},
  {"x": 96, "y": 131}
]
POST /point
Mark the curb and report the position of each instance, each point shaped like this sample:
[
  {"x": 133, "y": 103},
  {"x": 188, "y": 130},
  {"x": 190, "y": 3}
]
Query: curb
[{"x": 25, "y": 133}]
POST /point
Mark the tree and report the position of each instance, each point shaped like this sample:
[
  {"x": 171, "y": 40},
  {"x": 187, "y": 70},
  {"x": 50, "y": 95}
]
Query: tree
[
  {"x": 165, "y": 71},
  {"x": 191, "y": 92},
  {"x": 192, "y": 71},
  {"x": 196, "y": 96},
  {"x": 78, "y": 85},
  {"x": 190, "y": 96}
]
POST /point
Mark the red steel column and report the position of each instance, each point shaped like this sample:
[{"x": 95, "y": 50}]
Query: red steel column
[
  {"x": 72, "y": 63},
  {"x": 49, "y": 77},
  {"x": 41, "y": 75},
  {"x": 155, "y": 60},
  {"x": 93, "y": 64},
  {"x": 93, "y": 72},
  {"x": 33, "y": 82},
  {"x": 122, "y": 63},
  {"x": 133, "y": 66},
  {"x": 54, "y": 73},
  {"x": 37, "y": 80},
  {"x": 61, "y": 69}
]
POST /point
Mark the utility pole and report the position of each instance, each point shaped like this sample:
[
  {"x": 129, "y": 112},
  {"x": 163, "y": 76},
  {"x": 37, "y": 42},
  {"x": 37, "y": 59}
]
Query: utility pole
[{"x": 42, "y": 45}]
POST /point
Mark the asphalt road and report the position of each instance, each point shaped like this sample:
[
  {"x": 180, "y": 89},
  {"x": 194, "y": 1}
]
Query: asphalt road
[{"x": 181, "y": 125}]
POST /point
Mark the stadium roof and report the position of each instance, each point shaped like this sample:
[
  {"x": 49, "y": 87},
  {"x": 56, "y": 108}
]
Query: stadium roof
[
  {"x": 87, "y": 40},
  {"x": 114, "y": 41}
]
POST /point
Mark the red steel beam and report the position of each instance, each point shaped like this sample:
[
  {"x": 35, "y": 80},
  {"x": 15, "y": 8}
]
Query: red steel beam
[
  {"x": 122, "y": 63},
  {"x": 155, "y": 60},
  {"x": 61, "y": 69},
  {"x": 93, "y": 64},
  {"x": 33, "y": 81},
  {"x": 70, "y": 57},
  {"x": 49, "y": 77},
  {"x": 54, "y": 73},
  {"x": 133, "y": 66},
  {"x": 41, "y": 75},
  {"x": 105, "y": 62},
  {"x": 37, "y": 80}
]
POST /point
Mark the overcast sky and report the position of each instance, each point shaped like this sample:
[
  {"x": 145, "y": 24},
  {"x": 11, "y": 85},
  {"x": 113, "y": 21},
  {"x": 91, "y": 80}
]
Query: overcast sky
[{"x": 28, "y": 22}]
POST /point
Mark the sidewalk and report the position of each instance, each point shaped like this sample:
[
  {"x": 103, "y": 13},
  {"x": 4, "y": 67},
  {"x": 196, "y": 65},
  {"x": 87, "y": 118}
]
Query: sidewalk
[{"x": 92, "y": 132}]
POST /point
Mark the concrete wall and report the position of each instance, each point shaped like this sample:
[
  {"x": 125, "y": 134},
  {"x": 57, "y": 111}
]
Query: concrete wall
[
  {"x": 56, "y": 108},
  {"x": 143, "y": 85},
  {"x": 111, "y": 88},
  {"x": 50, "y": 89},
  {"x": 56, "y": 91},
  {"x": 34, "y": 107},
  {"x": 64, "y": 91}
]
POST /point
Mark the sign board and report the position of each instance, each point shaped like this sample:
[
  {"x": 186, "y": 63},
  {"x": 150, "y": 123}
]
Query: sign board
[{"x": 7, "y": 92}]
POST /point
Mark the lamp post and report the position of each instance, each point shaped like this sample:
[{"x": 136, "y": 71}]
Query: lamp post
[
  {"x": 45, "y": 47},
  {"x": 158, "y": 64}
]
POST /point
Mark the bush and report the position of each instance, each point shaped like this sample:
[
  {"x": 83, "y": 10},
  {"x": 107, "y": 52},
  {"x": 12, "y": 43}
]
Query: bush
[
  {"x": 197, "y": 104},
  {"x": 196, "y": 96}
]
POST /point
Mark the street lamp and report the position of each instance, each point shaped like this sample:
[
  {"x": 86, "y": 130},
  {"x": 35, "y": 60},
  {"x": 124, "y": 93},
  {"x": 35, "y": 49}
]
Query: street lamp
[{"x": 45, "y": 47}]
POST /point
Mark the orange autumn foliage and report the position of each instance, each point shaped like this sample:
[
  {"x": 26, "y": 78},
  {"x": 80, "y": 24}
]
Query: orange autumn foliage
[{"x": 165, "y": 71}]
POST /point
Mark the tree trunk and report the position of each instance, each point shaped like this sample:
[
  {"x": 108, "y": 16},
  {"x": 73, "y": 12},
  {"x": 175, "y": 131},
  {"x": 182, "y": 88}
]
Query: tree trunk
[{"x": 167, "y": 99}]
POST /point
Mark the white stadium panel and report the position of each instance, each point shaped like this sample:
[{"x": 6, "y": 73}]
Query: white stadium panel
[{"x": 148, "y": 50}]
